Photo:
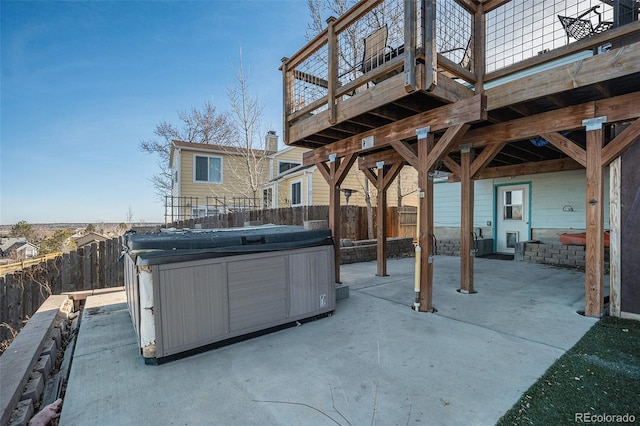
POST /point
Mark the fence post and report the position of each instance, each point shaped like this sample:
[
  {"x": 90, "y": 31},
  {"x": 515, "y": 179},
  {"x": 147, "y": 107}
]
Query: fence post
[
  {"x": 14, "y": 301},
  {"x": 102, "y": 258},
  {"x": 79, "y": 283},
  {"x": 65, "y": 266},
  {"x": 94, "y": 266},
  {"x": 54, "y": 278},
  {"x": 120, "y": 266},
  {"x": 86, "y": 268}
]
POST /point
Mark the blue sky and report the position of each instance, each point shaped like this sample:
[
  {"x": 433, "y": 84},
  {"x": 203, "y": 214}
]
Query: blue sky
[{"x": 84, "y": 81}]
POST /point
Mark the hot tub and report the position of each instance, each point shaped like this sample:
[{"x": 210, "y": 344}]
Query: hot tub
[{"x": 195, "y": 289}]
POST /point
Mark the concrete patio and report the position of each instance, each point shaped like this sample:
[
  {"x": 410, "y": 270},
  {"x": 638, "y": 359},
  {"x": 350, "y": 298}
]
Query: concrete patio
[{"x": 375, "y": 361}]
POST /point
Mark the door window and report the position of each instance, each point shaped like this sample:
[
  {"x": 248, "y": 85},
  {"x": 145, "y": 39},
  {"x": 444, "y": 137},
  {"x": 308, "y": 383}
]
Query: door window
[{"x": 512, "y": 204}]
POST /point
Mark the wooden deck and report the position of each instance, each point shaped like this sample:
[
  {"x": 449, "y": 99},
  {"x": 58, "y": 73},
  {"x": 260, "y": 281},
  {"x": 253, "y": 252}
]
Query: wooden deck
[{"x": 469, "y": 101}]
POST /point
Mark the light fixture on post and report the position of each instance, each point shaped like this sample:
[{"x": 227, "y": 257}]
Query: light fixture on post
[{"x": 347, "y": 193}]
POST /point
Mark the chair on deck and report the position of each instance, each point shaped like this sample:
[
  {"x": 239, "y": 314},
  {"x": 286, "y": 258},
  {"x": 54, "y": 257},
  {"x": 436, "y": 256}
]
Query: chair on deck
[
  {"x": 375, "y": 47},
  {"x": 580, "y": 28},
  {"x": 466, "y": 60},
  {"x": 376, "y": 53}
]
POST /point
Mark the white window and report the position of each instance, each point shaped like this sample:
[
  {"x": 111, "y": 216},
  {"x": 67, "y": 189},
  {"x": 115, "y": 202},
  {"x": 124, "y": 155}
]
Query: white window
[
  {"x": 267, "y": 198},
  {"x": 296, "y": 193},
  {"x": 283, "y": 166},
  {"x": 207, "y": 169}
]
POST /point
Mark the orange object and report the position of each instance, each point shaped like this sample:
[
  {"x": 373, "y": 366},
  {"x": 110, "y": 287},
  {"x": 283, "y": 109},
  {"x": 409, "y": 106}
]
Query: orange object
[{"x": 580, "y": 239}]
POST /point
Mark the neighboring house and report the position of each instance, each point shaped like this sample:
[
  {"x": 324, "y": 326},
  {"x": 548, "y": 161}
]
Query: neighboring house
[
  {"x": 290, "y": 184},
  {"x": 8, "y": 242},
  {"x": 20, "y": 250},
  {"x": 518, "y": 208},
  {"x": 208, "y": 178},
  {"x": 88, "y": 239}
]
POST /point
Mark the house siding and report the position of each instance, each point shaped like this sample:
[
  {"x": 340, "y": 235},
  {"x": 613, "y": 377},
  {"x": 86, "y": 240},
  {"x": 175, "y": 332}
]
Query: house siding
[
  {"x": 231, "y": 186},
  {"x": 550, "y": 192}
]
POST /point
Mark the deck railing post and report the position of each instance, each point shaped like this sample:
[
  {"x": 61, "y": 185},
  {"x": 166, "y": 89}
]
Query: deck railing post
[
  {"x": 333, "y": 68},
  {"x": 429, "y": 44},
  {"x": 410, "y": 17},
  {"x": 478, "y": 47},
  {"x": 287, "y": 93}
]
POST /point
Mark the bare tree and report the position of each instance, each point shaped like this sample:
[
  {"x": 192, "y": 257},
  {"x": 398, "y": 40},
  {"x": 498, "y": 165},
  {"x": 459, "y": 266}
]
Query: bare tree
[
  {"x": 246, "y": 113},
  {"x": 198, "y": 125}
]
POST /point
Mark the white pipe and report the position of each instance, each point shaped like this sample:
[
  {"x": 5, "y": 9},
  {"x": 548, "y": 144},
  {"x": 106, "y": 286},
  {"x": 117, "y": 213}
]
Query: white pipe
[{"x": 418, "y": 252}]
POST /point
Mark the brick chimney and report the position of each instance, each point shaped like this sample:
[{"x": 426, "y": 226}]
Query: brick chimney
[{"x": 271, "y": 141}]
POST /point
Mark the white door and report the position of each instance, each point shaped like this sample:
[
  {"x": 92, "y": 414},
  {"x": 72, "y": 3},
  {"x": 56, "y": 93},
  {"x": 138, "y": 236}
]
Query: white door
[{"x": 512, "y": 217}]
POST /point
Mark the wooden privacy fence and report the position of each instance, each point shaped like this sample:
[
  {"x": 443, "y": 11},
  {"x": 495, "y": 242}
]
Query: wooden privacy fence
[
  {"x": 87, "y": 268},
  {"x": 353, "y": 219}
]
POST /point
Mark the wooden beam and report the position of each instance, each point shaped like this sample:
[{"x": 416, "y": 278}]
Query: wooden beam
[
  {"x": 407, "y": 152},
  {"x": 410, "y": 18},
  {"x": 332, "y": 52},
  {"x": 373, "y": 178},
  {"x": 569, "y": 118},
  {"x": 594, "y": 261},
  {"x": 616, "y": 228},
  {"x": 466, "y": 111},
  {"x": 381, "y": 222},
  {"x": 470, "y": 5},
  {"x": 451, "y": 137},
  {"x": 392, "y": 174},
  {"x": 425, "y": 238},
  {"x": 334, "y": 216},
  {"x": 429, "y": 45},
  {"x": 620, "y": 108},
  {"x": 489, "y": 5},
  {"x": 452, "y": 165},
  {"x": 617, "y": 146},
  {"x": 287, "y": 97},
  {"x": 345, "y": 166},
  {"x": 485, "y": 157},
  {"x": 334, "y": 175},
  {"x": 621, "y": 62},
  {"x": 548, "y": 166},
  {"x": 567, "y": 146},
  {"x": 466, "y": 224},
  {"x": 324, "y": 171},
  {"x": 479, "y": 52}
]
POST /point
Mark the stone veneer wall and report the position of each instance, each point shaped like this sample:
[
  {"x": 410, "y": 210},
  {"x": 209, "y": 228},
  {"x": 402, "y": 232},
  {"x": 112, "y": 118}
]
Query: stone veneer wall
[
  {"x": 365, "y": 250},
  {"x": 554, "y": 254}
]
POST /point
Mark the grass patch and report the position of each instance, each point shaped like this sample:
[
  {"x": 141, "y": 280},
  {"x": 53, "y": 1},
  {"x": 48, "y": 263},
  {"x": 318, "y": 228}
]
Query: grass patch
[{"x": 600, "y": 375}]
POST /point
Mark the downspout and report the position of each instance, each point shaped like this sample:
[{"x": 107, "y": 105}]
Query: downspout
[{"x": 418, "y": 252}]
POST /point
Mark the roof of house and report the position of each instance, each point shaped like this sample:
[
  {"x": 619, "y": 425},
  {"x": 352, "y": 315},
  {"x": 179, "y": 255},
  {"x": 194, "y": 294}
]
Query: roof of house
[
  {"x": 89, "y": 238},
  {"x": 19, "y": 245},
  {"x": 10, "y": 242},
  {"x": 213, "y": 148}
]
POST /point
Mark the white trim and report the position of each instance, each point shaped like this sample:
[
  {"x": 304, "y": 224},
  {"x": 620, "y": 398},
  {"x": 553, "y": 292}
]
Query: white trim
[
  {"x": 280, "y": 174},
  {"x": 208, "y": 182},
  {"x": 309, "y": 189},
  {"x": 293, "y": 182}
]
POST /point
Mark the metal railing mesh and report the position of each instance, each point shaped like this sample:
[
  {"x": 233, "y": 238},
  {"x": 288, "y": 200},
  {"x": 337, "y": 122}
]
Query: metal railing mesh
[{"x": 522, "y": 29}]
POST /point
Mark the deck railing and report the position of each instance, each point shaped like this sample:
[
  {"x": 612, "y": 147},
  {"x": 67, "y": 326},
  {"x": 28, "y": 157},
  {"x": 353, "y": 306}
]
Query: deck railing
[
  {"x": 349, "y": 58},
  {"x": 373, "y": 41}
]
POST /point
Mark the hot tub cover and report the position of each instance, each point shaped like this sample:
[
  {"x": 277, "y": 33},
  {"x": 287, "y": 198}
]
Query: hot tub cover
[{"x": 185, "y": 245}]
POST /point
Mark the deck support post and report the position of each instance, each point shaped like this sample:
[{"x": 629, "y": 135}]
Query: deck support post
[
  {"x": 425, "y": 184},
  {"x": 467, "y": 249},
  {"x": 334, "y": 175},
  {"x": 382, "y": 179},
  {"x": 594, "y": 262}
]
